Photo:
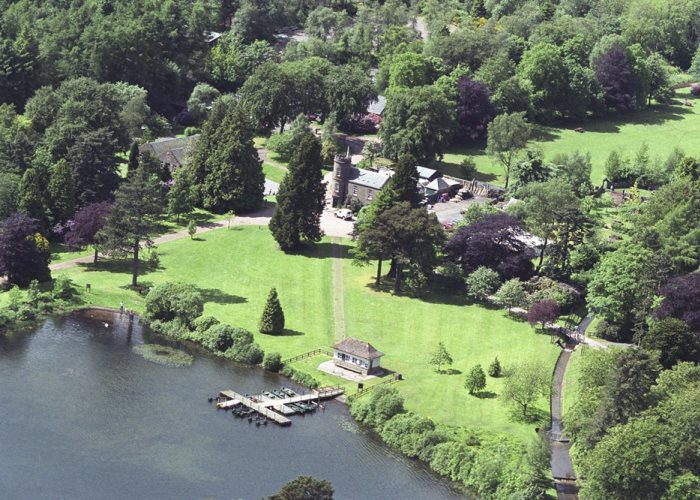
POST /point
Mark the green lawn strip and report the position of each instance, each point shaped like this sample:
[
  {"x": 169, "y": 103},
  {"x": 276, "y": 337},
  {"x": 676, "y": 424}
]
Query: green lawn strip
[
  {"x": 408, "y": 329},
  {"x": 61, "y": 252},
  {"x": 571, "y": 378},
  {"x": 662, "y": 127},
  {"x": 273, "y": 172}
]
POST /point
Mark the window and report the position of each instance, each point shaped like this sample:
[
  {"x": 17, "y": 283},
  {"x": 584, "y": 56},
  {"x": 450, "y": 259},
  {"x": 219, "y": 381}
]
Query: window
[
  {"x": 369, "y": 194},
  {"x": 354, "y": 190}
]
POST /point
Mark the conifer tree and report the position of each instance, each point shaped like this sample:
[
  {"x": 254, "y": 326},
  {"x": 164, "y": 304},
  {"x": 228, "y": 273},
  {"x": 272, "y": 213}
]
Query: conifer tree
[
  {"x": 225, "y": 167},
  {"x": 404, "y": 182},
  {"x": 32, "y": 196},
  {"x": 495, "y": 368},
  {"x": 272, "y": 320},
  {"x": 180, "y": 198},
  {"x": 137, "y": 205},
  {"x": 300, "y": 197},
  {"x": 61, "y": 192},
  {"x": 133, "y": 162},
  {"x": 476, "y": 380}
]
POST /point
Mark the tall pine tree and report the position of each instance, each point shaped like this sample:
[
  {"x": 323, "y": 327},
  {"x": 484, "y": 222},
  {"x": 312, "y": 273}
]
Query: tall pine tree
[
  {"x": 32, "y": 196},
  {"x": 133, "y": 162},
  {"x": 272, "y": 320},
  {"x": 138, "y": 203},
  {"x": 226, "y": 170},
  {"x": 300, "y": 197},
  {"x": 404, "y": 182},
  {"x": 61, "y": 192}
]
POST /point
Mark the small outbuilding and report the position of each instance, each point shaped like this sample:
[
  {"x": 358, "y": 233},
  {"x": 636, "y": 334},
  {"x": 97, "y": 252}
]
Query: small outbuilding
[{"x": 357, "y": 355}]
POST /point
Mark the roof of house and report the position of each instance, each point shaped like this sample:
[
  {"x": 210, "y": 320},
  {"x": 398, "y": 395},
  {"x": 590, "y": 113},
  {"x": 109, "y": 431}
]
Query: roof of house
[
  {"x": 438, "y": 185},
  {"x": 358, "y": 348},
  {"x": 425, "y": 172},
  {"x": 368, "y": 178},
  {"x": 377, "y": 106},
  {"x": 170, "y": 150}
]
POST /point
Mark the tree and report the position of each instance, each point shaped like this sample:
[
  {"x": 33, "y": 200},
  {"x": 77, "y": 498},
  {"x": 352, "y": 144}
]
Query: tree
[
  {"x": 673, "y": 340},
  {"x": 574, "y": 168},
  {"x": 225, "y": 167},
  {"x": 507, "y": 136},
  {"x": 32, "y": 196},
  {"x": 174, "y": 301},
  {"x": 24, "y": 253},
  {"x": 409, "y": 236},
  {"x": 232, "y": 61},
  {"x": 527, "y": 382},
  {"x": 531, "y": 169},
  {"x": 543, "y": 312},
  {"x": 409, "y": 69},
  {"x": 133, "y": 161},
  {"x": 272, "y": 320},
  {"x": 300, "y": 197},
  {"x": 614, "y": 72},
  {"x": 9, "y": 194},
  {"x": 495, "y": 368},
  {"x": 305, "y": 488},
  {"x": 440, "y": 357},
  {"x": 61, "y": 195},
  {"x": 543, "y": 66},
  {"x": 476, "y": 380},
  {"x": 86, "y": 223},
  {"x": 492, "y": 241},
  {"x": 266, "y": 95},
  {"x": 191, "y": 228},
  {"x": 404, "y": 182},
  {"x": 180, "y": 196},
  {"x": 138, "y": 203},
  {"x": 92, "y": 157},
  {"x": 201, "y": 101},
  {"x": 474, "y": 107},
  {"x": 681, "y": 299},
  {"x": 511, "y": 294},
  {"x": 482, "y": 283},
  {"x": 348, "y": 90},
  {"x": 419, "y": 121}
]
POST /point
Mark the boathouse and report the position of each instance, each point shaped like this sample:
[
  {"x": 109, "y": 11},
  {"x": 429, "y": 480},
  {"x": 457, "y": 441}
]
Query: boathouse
[{"x": 357, "y": 355}]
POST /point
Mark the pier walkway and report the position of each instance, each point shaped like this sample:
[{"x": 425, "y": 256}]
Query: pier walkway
[{"x": 276, "y": 409}]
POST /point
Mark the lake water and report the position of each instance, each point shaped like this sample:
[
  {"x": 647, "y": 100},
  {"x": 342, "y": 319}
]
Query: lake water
[{"x": 83, "y": 416}]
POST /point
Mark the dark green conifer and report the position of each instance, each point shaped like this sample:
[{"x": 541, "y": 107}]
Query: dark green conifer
[
  {"x": 272, "y": 320},
  {"x": 133, "y": 162}
]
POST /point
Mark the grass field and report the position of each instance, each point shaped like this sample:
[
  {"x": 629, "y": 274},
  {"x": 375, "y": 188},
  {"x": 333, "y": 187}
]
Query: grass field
[
  {"x": 273, "y": 172},
  {"x": 662, "y": 127},
  {"x": 570, "y": 388},
  {"x": 235, "y": 269}
]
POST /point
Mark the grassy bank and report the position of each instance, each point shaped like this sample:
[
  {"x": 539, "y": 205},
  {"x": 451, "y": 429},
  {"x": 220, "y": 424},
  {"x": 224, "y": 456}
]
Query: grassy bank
[{"x": 235, "y": 269}]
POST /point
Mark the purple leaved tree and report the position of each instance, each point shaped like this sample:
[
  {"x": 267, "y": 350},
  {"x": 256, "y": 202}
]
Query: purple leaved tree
[
  {"x": 681, "y": 299},
  {"x": 24, "y": 253},
  {"x": 86, "y": 223},
  {"x": 614, "y": 73},
  {"x": 474, "y": 109},
  {"x": 543, "y": 312}
]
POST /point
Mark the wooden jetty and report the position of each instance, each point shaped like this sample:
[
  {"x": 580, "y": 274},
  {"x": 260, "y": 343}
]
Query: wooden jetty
[{"x": 276, "y": 409}]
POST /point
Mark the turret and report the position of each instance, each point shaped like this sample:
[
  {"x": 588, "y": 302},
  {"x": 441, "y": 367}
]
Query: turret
[{"x": 341, "y": 175}]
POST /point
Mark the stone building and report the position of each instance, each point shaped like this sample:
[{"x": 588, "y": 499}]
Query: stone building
[
  {"x": 171, "y": 151},
  {"x": 352, "y": 183}
]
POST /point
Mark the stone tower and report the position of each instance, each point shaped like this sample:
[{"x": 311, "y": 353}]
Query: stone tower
[{"x": 341, "y": 175}]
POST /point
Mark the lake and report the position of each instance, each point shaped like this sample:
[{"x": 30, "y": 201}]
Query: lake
[{"x": 83, "y": 415}]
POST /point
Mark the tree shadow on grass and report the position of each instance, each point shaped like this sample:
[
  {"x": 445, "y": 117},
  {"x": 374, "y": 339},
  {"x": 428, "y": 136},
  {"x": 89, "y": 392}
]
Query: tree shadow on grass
[
  {"x": 451, "y": 371},
  {"x": 485, "y": 395},
  {"x": 287, "y": 332},
  {"x": 324, "y": 250},
  {"x": 532, "y": 416},
  {"x": 119, "y": 266},
  {"x": 220, "y": 297}
]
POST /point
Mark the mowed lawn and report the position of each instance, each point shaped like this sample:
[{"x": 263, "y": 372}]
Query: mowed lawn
[
  {"x": 407, "y": 330},
  {"x": 661, "y": 127},
  {"x": 236, "y": 268}
]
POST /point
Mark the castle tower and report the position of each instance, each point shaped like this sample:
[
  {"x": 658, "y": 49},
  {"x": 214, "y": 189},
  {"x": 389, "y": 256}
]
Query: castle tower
[{"x": 341, "y": 175}]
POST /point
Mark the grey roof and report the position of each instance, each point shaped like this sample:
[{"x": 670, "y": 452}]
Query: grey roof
[
  {"x": 211, "y": 36},
  {"x": 425, "y": 172},
  {"x": 358, "y": 348},
  {"x": 438, "y": 185},
  {"x": 368, "y": 178},
  {"x": 377, "y": 107},
  {"x": 172, "y": 150}
]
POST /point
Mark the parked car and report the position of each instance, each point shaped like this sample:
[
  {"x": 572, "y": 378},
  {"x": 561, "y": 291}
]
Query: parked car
[{"x": 344, "y": 213}]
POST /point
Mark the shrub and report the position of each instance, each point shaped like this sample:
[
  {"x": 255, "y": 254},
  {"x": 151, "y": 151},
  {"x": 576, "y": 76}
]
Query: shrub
[
  {"x": 26, "y": 313},
  {"x": 467, "y": 168},
  {"x": 407, "y": 432},
  {"x": 608, "y": 331},
  {"x": 383, "y": 403},
  {"x": 273, "y": 362},
  {"x": 272, "y": 320},
  {"x": 511, "y": 294},
  {"x": 168, "y": 301},
  {"x": 7, "y": 317},
  {"x": 476, "y": 380},
  {"x": 495, "y": 368},
  {"x": 190, "y": 131},
  {"x": 695, "y": 89},
  {"x": 482, "y": 283},
  {"x": 153, "y": 260},
  {"x": 204, "y": 323},
  {"x": 63, "y": 288},
  {"x": 249, "y": 354},
  {"x": 300, "y": 377},
  {"x": 453, "y": 459},
  {"x": 219, "y": 337}
]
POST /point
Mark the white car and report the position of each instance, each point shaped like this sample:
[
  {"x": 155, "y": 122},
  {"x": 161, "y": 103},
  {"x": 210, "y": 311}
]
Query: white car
[{"x": 344, "y": 213}]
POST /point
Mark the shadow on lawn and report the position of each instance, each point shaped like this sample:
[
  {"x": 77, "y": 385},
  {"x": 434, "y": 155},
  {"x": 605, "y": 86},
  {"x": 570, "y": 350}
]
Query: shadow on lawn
[
  {"x": 119, "y": 266},
  {"x": 325, "y": 250},
  {"x": 287, "y": 332},
  {"x": 450, "y": 371},
  {"x": 219, "y": 296},
  {"x": 485, "y": 395},
  {"x": 533, "y": 416}
]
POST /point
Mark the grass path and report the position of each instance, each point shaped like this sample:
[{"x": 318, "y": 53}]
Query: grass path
[{"x": 338, "y": 290}]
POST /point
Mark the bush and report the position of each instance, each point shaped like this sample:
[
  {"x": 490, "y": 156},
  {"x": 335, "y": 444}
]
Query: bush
[
  {"x": 153, "y": 260},
  {"x": 408, "y": 433},
  {"x": 219, "y": 337},
  {"x": 63, "y": 288},
  {"x": 383, "y": 403},
  {"x": 695, "y": 89},
  {"x": 26, "y": 313},
  {"x": 482, "y": 283},
  {"x": 273, "y": 362},
  {"x": 190, "y": 131},
  {"x": 608, "y": 331},
  {"x": 204, "y": 323},
  {"x": 495, "y": 368},
  {"x": 300, "y": 377},
  {"x": 249, "y": 354},
  {"x": 7, "y": 317},
  {"x": 467, "y": 168},
  {"x": 168, "y": 301},
  {"x": 272, "y": 320}
]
